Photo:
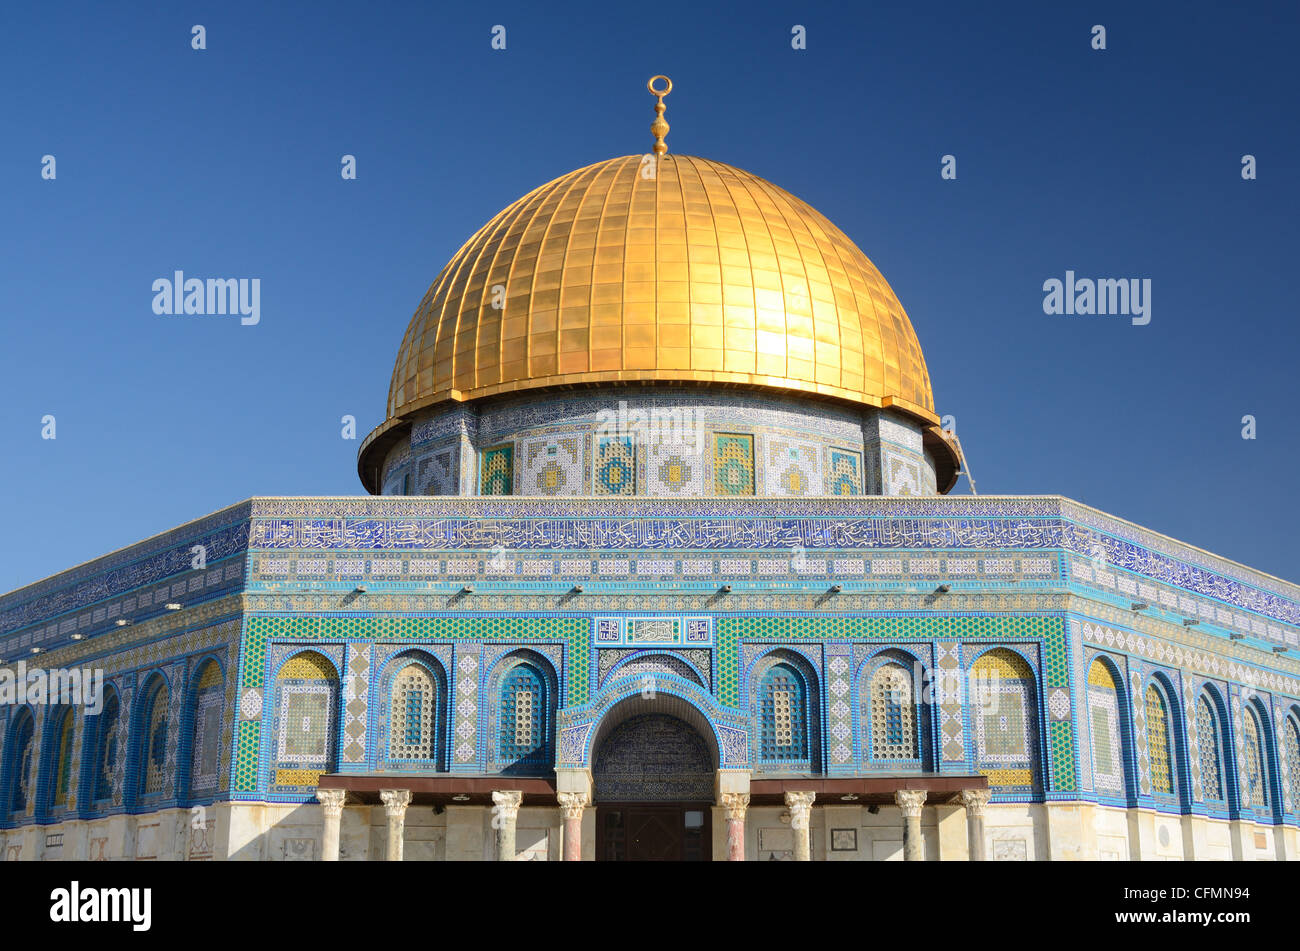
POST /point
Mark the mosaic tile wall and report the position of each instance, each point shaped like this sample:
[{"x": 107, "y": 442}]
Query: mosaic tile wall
[
  {"x": 661, "y": 442},
  {"x": 192, "y": 724},
  {"x": 415, "y": 555}
]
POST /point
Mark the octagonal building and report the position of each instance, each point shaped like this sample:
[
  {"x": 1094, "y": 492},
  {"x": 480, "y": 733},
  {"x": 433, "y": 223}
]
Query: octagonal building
[{"x": 657, "y": 561}]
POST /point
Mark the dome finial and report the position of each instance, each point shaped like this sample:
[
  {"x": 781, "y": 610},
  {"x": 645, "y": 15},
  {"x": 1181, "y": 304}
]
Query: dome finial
[{"x": 659, "y": 127}]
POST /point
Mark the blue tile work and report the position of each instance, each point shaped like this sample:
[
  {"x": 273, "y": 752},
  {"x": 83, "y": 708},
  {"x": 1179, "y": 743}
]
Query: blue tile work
[
  {"x": 181, "y": 659},
  {"x": 133, "y": 584},
  {"x": 1245, "y": 601},
  {"x": 651, "y": 571},
  {"x": 661, "y": 442}
]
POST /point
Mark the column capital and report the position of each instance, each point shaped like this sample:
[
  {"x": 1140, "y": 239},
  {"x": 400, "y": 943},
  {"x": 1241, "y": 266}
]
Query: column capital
[
  {"x": 735, "y": 804},
  {"x": 799, "y": 800},
  {"x": 572, "y": 804},
  {"x": 910, "y": 801},
  {"x": 975, "y": 800},
  {"x": 332, "y": 800},
  {"x": 800, "y": 805},
  {"x": 506, "y": 802},
  {"x": 395, "y": 801}
]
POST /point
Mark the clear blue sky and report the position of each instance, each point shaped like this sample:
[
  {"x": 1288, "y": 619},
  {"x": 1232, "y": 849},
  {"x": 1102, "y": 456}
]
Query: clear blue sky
[{"x": 225, "y": 163}]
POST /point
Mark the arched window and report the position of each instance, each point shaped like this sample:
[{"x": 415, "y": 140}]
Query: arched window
[
  {"x": 893, "y": 723},
  {"x": 20, "y": 762},
  {"x": 413, "y": 714},
  {"x": 523, "y": 728},
  {"x": 61, "y": 759},
  {"x": 209, "y": 704},
  {"x": 307, "y": 690},
  {"x": 1255, "y": 780},
  {"x": 153, "y": 742},
  {"x": 1159, "y": 749},
  {"x": 1006, "y": 718},
  {"x": 1291, "y": 741},
  {"x": 1208, "y": 750},
  {"x": 784, "y": 716},
  {"x": 105, "y": 749},
  {"x": 1106, "y": 731}
]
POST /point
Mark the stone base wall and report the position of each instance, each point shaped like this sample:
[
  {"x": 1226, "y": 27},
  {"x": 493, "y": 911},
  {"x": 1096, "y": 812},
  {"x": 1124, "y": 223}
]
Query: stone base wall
[{"x": 838, "y": 833}]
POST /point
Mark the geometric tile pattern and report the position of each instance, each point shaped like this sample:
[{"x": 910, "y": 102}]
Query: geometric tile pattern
[
  {"x": 1162, "y": 774},
  {"x": 576, "y": 632},
  {"x": 793, "y": 468},
  {"x": 497, "y": 468},
  {"x": 1104, "y": 722},
  {"x": 949, "y": 697},
  {"x": 783, "y": 721},
  {"x": 1140, "y": 735},
  {"x": 733, "y": 464},
  {"x": 1003, "y": 707},
  {"x": 356, "y": 692},
  {"x": 846, "y": 473},
  {"x": 890, "y": 715},
  {"x": 469, "y": 664},
  {"x": 839, "y": 720},
  {"x": 304, "y": 717},
  {"x": 1289, "y": 750},
  {"x": 1207, "y": 745},
  {"x": 615, "y": 469},
  {"x": 1255, "y": 777},
  {"x": 1048, "y": 630},
  {"x": 551, "y": 466},
  {"x": 208, "y": 718}
]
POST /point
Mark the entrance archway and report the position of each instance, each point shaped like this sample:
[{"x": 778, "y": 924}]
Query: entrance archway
[{"x": 653, "y": 772}]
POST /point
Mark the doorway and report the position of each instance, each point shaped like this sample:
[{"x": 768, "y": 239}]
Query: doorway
[
  {"x": 652, "y": 777},
  {"x": 654, "y": 832}
]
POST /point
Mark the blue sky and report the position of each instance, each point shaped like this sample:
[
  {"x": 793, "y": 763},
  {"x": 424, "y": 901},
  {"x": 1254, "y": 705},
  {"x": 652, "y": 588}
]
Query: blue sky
[{"x": 1121, "y": 163}]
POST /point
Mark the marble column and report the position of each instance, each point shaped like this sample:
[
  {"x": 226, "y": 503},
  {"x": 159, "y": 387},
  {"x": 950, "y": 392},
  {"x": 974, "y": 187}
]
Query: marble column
[
  {"x": 735, "y": 804},
  {"x": 911, "y": 801},
  {"x": 800, "y": 806},
  {"x": 395, "y": 802},
  {"x": 505, "y": 810},
  {"x": 571, "y": 806},
  {"x": 975, "y": 800},
  {"x": 331, "y": 801}
]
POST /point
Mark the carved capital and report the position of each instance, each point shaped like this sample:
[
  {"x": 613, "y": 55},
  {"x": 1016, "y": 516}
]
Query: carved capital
[
  {"x": 572, "y": 804},
  {"x": 505, "y": 803},
  {"x": 910, "y": 801},
  {"x": 332, "y": 800},
  {"x": 735, "y": 803},
  {"x": 799, "y": 800},
  {"x": 975, "y": 800},
  {"x": 395, "y": 802}
]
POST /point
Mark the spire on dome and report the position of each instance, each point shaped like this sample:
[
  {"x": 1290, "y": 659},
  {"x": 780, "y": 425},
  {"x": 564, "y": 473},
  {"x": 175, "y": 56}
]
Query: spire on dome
[{"x": 659, "y": 127}]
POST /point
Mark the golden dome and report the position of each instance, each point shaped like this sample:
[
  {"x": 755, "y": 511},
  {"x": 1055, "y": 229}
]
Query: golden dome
[{"x": 676, "y": 270}]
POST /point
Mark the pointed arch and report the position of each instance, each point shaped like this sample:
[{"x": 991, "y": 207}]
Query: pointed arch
[
  {"x": 894, "y": 713},
  {"x": 206, "y": 710},
  {"x": 1291, "y": 747},
  {"x": 1004, "y": 694},
  {"x": 1211, "y": 744},
  {"x": 150, "y": 738},
  {"x": 414, "y": 684},
  {"x": 525, "y": 694},
  {"x": 787, "y": 706},
  {"x": 105, "y": 749},
  {"x": 1255, "y": 785},
  {"x": 56, "y": 773},
  {"x": 1162, "y": 761},
  {"x": 1111, "y": 743},
  {"x": 18, "y": 763},
  {"x": 306, "y": 720}
]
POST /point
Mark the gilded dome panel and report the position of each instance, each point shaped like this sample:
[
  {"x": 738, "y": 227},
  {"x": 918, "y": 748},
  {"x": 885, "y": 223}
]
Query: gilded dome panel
[{"x": 685, "y": 270}]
